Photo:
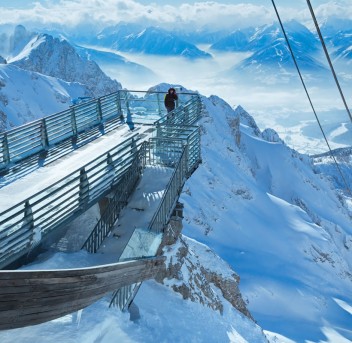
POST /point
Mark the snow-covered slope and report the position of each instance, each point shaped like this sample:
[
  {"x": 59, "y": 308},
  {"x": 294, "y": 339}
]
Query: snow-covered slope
[
  {"x": 262, "y": 208},
  {"x": 341, "y": 174},
  {"x": 26, "y": 96},
  {"x": 238, "y": 40}
]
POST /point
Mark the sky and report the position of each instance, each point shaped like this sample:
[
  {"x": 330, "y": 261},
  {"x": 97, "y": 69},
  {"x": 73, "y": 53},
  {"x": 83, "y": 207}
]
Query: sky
[
  {"x": 212, "y": 14},
  {"x": 290, "y": 243}
]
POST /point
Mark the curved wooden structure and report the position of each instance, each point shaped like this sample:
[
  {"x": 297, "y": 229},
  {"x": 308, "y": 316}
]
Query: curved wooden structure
[{"x": 33, "y": 297}]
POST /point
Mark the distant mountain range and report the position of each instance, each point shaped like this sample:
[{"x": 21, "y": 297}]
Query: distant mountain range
[
  {"x": 111, "y": 60},
  {"x": 87, "y": 60},
  {"x": 150, "y": 40},
  {"x": 338, "y": 35},
  {"x": 271, "y": 58}
]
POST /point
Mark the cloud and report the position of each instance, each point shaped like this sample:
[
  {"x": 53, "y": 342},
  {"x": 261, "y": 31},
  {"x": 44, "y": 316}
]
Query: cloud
[
  {"x": 97, "y": 14},
  {"x": 341, "y": 9},
  {"x": 216, "y": 15},
  {"x": 108, "y": 12}
]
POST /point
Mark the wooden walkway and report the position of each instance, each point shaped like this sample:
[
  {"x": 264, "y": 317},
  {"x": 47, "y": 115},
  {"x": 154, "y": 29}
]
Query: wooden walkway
[{"x": 34, "y": 297}]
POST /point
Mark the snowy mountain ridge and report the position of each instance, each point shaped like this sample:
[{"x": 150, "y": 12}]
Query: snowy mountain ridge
[
  {"x": 284, "y": 239},
  {"x": 50, "y": 56},
  {"x": 45, "y": 54},
  {"x": 149, "y": 40}
]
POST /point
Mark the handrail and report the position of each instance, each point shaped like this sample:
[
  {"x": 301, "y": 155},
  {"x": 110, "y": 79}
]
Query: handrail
[
  {"x": 52, "y": 207},
  {"x": 123, "y": 296},
  {"x": 166, "y": 149},
  {"x": 39, "y": 135},
  {"x": 29, "y": 297},
  {"x": 122, "y": 192},
  {"x": 186, "y": 114},
  {"x": 171, "y": 194}
]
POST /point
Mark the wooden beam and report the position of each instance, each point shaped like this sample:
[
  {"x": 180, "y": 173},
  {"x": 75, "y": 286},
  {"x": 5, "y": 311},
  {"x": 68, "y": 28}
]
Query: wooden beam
[{"x": 37, "y": 296}]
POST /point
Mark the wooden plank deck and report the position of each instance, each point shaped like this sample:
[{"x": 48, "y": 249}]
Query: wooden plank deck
[{"x": 37, "y": 296}]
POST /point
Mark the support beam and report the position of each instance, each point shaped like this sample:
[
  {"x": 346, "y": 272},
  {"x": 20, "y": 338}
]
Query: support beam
[{"x": 34, "y": 297}]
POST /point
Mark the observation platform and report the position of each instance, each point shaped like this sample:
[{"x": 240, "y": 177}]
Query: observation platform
[{"x": 135, "y": 167}]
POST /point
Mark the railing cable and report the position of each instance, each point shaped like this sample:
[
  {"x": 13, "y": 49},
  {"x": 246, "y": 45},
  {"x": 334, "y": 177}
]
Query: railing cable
[
  {"x": 310, "y": 101},
  {"x": 328, "y": 57}
]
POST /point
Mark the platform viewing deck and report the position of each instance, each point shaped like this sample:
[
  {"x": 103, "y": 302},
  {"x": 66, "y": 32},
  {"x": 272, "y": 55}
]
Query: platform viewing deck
[{"x": 128, "y": 161}]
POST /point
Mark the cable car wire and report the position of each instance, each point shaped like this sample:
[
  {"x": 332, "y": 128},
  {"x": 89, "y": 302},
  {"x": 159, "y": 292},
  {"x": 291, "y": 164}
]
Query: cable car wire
[
  {"x": 328, "y": 57},
  {"x": 310, "y": 101}
]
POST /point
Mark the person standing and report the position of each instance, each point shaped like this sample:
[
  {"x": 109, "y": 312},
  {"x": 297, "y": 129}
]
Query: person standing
[{"x": 170, "y": 99}]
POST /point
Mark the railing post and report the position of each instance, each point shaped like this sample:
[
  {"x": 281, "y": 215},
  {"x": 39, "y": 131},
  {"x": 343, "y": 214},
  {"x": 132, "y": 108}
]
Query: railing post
[
  {"x": 28, "y": 221},
  {"x": 134, "y": 149},
  {"x": 158, "y": 99},
  {"x": 129, "y": 116},
  {"x": 118, "y": 104},
  {"x": 44, "y": 134},
  {"x": 186, "y": 120},
  {"x": 73, "y": 122},
  {"x": 99, "y": 111},
  {"x": 83, "y": 189},
  {"x": 109, "y": 161},
  {"x": 110, "y": 164},
  {"x": 199, "y": 106},
  {"x": 6, "y": 150}
]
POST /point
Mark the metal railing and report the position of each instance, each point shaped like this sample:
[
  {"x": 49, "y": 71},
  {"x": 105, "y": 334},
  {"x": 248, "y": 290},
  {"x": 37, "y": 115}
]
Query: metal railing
[
  {"x": 62, "y": 201},
  {"x": 187, "y": 113},
  {"x": 123, "y": 296},
  {"x": 189, "y": 135},
  {"x": 171, "y": 194},
  {"x": 183, "y": 146},
  {"x": 38, "y": 136},
  {"x": 119, "y": 200}
]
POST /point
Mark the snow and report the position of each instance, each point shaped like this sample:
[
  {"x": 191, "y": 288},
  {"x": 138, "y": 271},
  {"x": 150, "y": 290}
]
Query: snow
[{"x": 22, "y": 99}]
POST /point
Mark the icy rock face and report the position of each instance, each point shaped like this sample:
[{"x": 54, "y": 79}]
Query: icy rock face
[
  {"x": 198, "y": 274},
  {"x": 270, "y": 135},
  {"x": 247, "y": 120},
  {"x": 2, "y": 60},
  {"x": 57, "y": 58},
  {"x": 226, "y": 115}
]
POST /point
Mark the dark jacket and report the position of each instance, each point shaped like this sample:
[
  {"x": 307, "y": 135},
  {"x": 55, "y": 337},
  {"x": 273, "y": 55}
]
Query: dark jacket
[{"x": 170, "y": 99}]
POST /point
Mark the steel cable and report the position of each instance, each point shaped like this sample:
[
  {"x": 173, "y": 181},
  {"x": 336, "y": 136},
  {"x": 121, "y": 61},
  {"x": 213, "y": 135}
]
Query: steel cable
[
  {"x": 308, "y": 96},
  {"x": 328, "y": 57}
]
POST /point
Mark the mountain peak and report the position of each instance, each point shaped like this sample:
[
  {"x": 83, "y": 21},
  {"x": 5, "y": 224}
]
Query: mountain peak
[{"x": 62, "y": 61}]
